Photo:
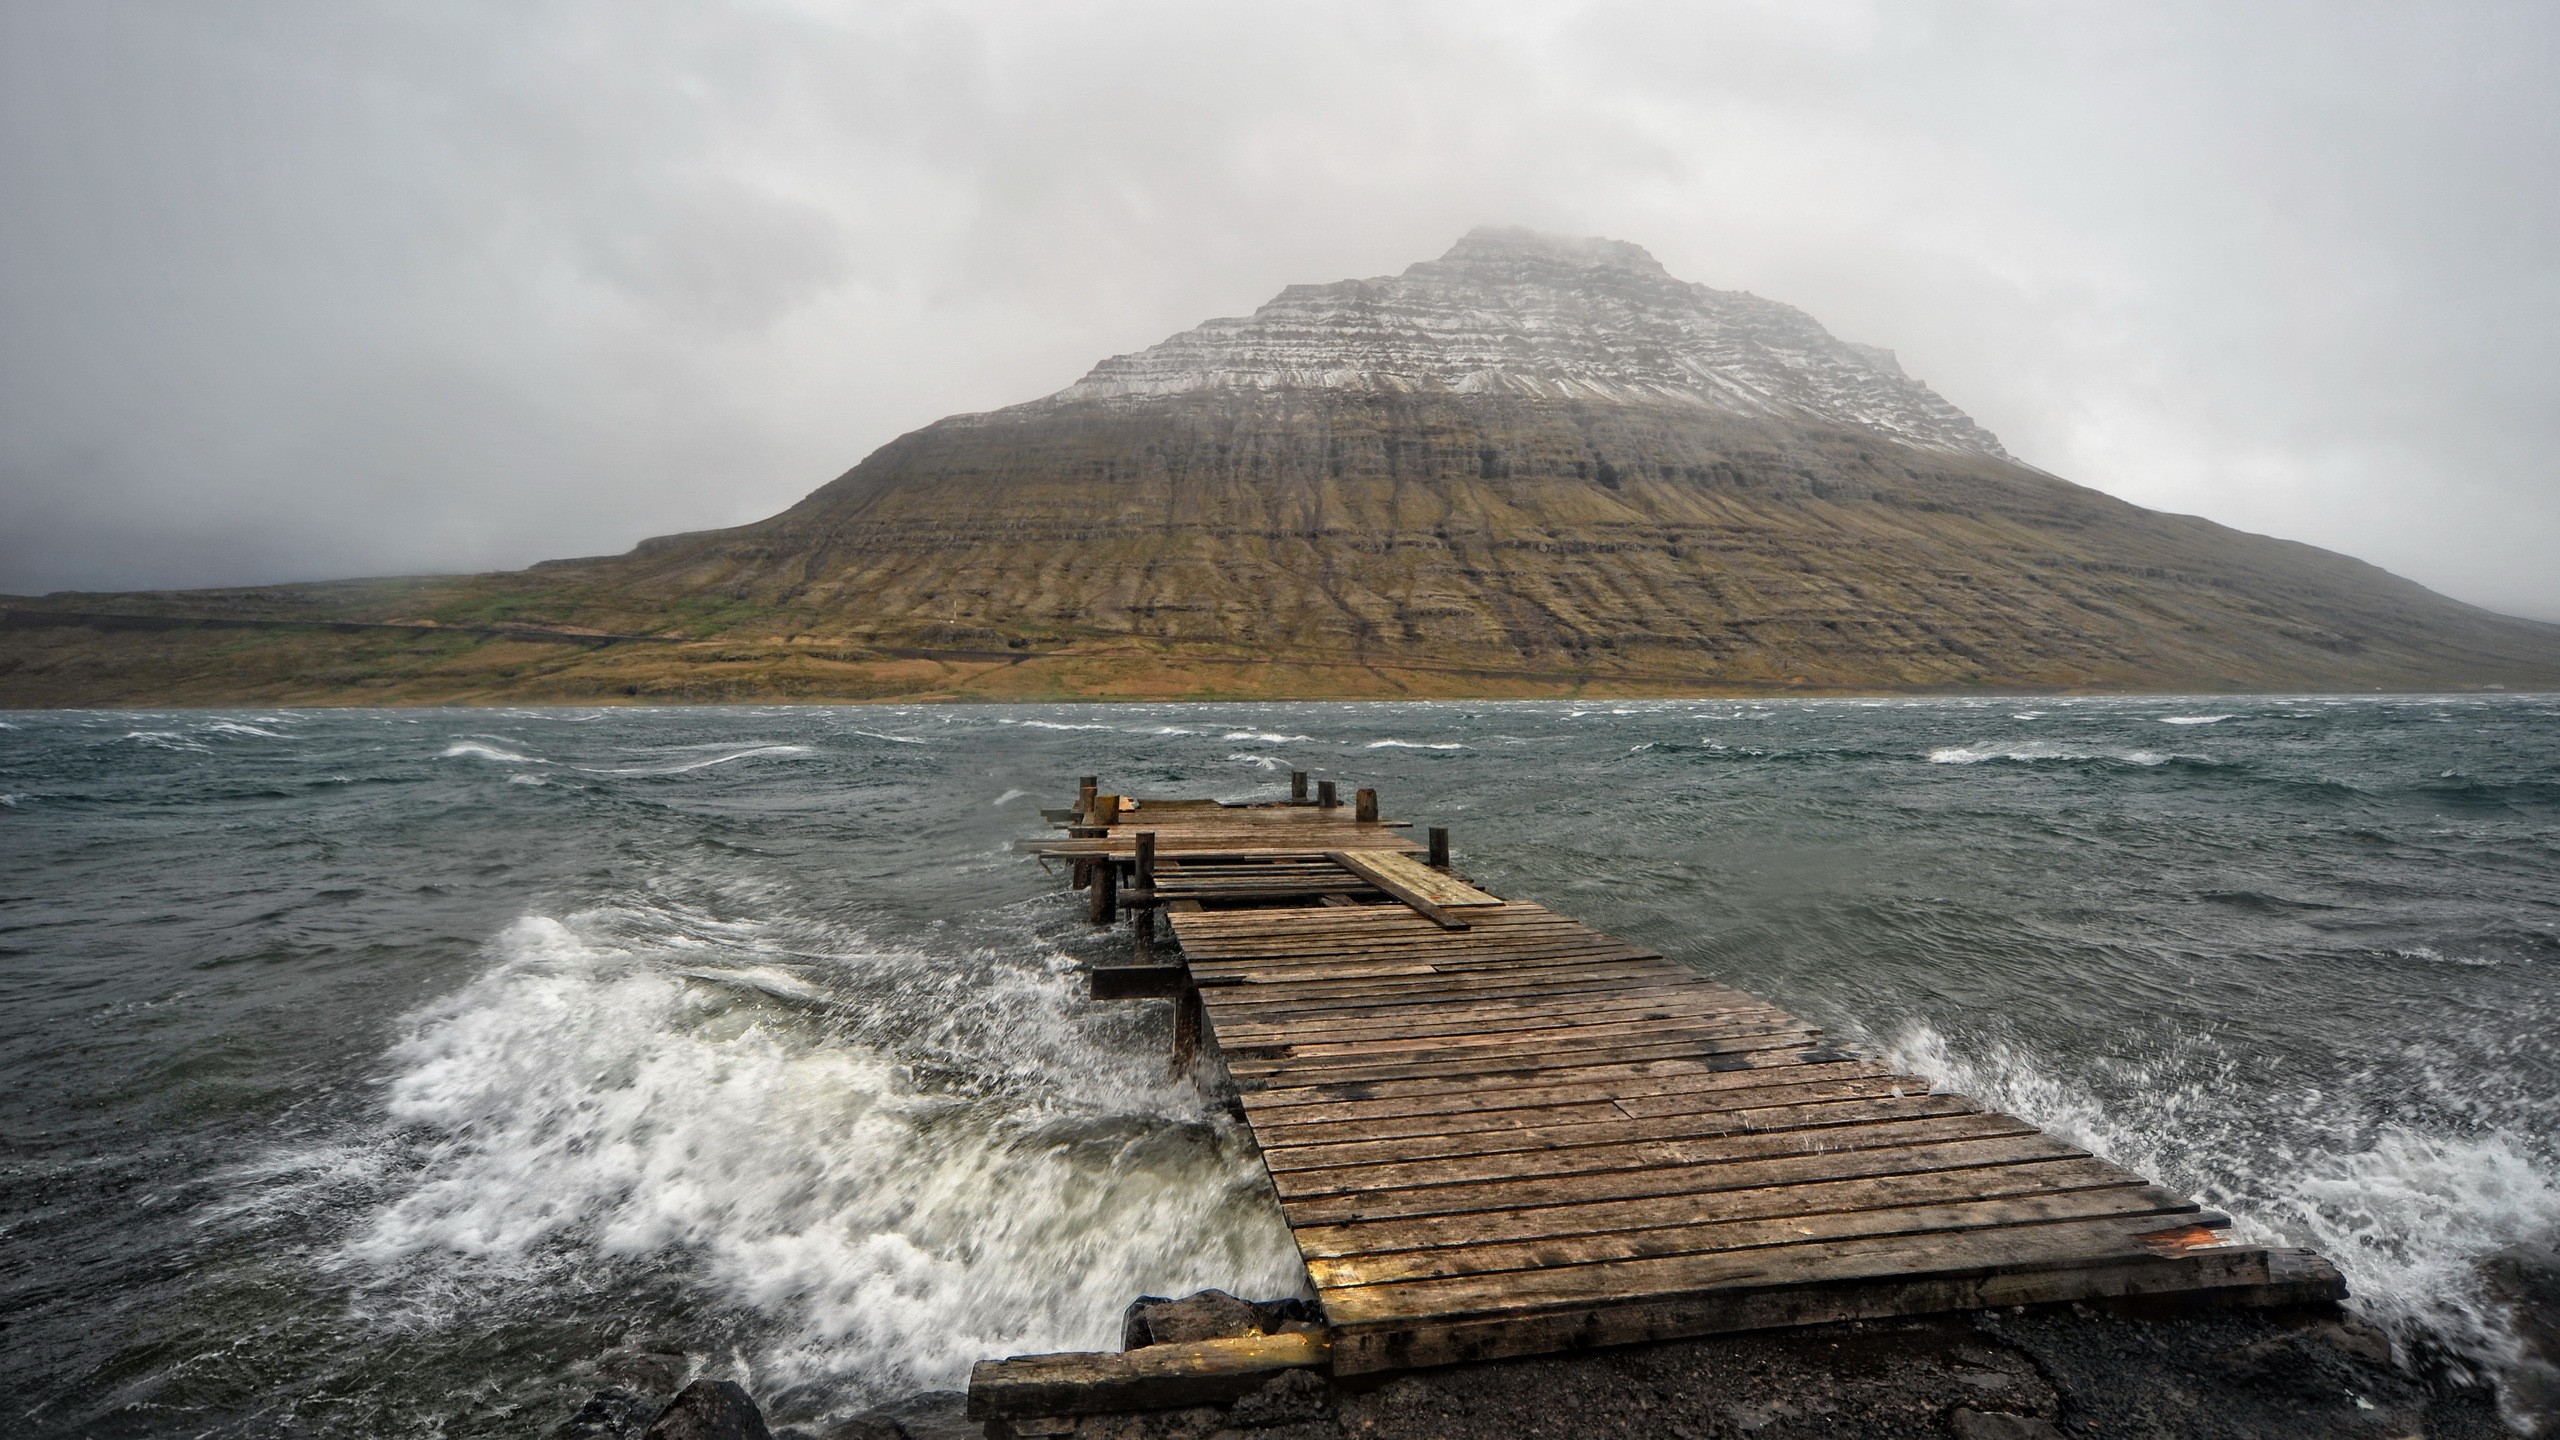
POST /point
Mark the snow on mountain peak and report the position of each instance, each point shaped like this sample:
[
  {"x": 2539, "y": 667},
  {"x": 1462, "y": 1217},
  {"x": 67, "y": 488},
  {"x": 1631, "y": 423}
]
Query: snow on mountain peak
[{"x": 1515, "y": 312}]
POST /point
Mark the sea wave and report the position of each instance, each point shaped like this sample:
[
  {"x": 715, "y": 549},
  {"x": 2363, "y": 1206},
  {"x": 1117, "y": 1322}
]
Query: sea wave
[
  {"x": 2193, "y": 719},
  {"x": 600, "y": 1097},
  {"x": 750, "y": 753},
  {"x": 1416, "y": 745},
  {"x": 164, "y": 740},
  {"x": 2406, "y": 1216},
  {"x": 234, "y": 727},
  {"x": 2032, "y": 751},
  {"x": 1268, "y": 737}
]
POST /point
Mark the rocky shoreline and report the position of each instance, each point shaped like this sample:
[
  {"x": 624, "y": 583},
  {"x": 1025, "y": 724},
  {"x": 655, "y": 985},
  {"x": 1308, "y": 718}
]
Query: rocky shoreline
[{"x": 2034, "y": 1374}]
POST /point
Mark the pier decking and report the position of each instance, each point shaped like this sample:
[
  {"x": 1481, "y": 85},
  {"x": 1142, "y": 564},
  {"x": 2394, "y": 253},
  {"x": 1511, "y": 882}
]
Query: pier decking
[{"x": 1494, "y": 1131}]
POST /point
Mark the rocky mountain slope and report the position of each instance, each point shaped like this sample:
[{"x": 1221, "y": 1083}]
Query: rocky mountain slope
[{"x": 1533, "y": 466}]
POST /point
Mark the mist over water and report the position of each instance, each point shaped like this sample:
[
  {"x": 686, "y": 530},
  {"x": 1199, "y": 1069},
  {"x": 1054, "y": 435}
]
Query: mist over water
[{"x": 377, "y": 1072}]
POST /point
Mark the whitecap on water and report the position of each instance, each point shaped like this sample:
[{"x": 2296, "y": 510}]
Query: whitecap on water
[
  {"x": 1266, "y": 762},
  {"x": 1267, "y": 737},
  {"x": 479, "y": 750},
  {"x": 2406, "y": 1216},
  {"x": 750, "y": 753},
  {"x": 164, "y": 740},
  {"x": 607, "y": 1096},
  {"x": 234, "y": 727},
  {"x": 2031, "y": 751},
  {"x": 1415, "y": 745},
  {"x": 1052, "y": 725},
  {"x": 2193, "y": 719}
]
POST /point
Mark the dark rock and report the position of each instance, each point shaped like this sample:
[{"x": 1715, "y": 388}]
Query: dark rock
[
  {"x": 1209, "y": 1315},
  {"x": 710, "y": 1410},
  {"x": 651, "y": 1372},
  {"x": 1289, "y": 1398},
  {"x": 613, "y": 1413},
  {"x": 1995, "y": 1425}
]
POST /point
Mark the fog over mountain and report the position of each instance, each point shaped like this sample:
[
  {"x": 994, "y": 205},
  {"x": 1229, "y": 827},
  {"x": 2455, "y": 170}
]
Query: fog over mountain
[{"x": 302, "y": 291}]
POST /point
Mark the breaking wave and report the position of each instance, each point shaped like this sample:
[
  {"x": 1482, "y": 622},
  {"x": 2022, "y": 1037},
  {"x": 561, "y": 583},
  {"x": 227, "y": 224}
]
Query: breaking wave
[
  {"x": 2031, "y": 751},
  {"x": 2406, "y": 1216},
  {"x": 886, "y": 1187},
  {"x": 477, "y": 750},
  {"x": 750, "y": 753}
]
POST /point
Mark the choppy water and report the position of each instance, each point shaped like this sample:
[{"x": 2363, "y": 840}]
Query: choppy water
[{"x": 372, "y": 1073}]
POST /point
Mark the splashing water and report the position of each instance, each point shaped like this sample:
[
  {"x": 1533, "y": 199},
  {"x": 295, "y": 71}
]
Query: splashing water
[{"x": 363, "y": 1087}]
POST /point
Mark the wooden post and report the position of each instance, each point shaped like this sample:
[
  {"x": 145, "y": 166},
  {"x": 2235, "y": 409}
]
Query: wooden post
[
  {"x": 1085, "y": 789},
  {"x": 1105, "y": 811},
  {"x": 1083, "y": 874},
  {"x": 1186, "y": 1029},
  {"x": 1142, "y": 874},
  {"x": 1106, "y": 890},
  {"x": 1364, "y": 805},
  {"x": 1297, "y": 787},
  {"x": 1439, "y": 848},
  {"x": 1327, "y": 796}
]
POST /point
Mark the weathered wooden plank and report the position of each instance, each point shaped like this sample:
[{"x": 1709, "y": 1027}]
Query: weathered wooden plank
[
  {"x": 1489, "y": 1062},
  {"x": 1615, "y": 1129},
  {"x": 1437, "y": 886},
  {"x": 2201, "y": 1279},
  {"x": 1956, "y": 1146},
  {"x": 1394, "y": 1182},
  {"x": 1808, "y": 1196},
  {"x": 1263, "y": 1094},
  {"x": 2008, "y": 1250},
  {"x": 1531, "y": 1106},
  {"x": 1152, "y": 1377},
  {"x": 1331, "y": 1014},
  {"x": 1769, "y": 1236},
  {"x": 1567, "y": 1022}
]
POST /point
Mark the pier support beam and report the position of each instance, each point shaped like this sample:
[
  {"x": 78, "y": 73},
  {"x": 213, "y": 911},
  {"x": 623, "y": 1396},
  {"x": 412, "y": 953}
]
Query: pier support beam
[
  {"x": 1439, "y": 847},
  {"x": 1297, "y": 787},
  {"x": 1186, "y": 1028},
  {"x": 1364, "y": 805},
  {"x": 1327, "y": 796},
  {"x": 1106, "y": 891}
]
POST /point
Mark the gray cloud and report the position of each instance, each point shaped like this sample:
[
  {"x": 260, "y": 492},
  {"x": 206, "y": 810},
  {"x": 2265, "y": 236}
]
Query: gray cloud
[{"x": 295, "y": 291}]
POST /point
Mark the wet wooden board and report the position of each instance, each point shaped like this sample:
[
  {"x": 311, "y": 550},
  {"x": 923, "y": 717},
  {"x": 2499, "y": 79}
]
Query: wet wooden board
[{"x": 1526, "y": 1135}]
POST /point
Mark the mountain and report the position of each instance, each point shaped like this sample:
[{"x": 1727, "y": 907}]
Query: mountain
[{"x": 1536, "y": 465}]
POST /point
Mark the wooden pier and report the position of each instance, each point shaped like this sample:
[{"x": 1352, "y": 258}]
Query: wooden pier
[{"x": 1494, "y": 1131}]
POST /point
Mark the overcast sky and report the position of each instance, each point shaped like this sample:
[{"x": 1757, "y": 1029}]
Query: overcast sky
[{"x": 299, "y": 291}]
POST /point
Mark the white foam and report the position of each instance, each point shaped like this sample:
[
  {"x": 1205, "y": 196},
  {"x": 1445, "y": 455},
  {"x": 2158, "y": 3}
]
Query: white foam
[
  {"x": 897, "y": 739},
  {"x": 1266, "y": 762},
  {"x": 2031, "y": 751},
  {"x": 1415, "y": 745},
  {"x": 1009, "y": 797},
  {"x": 2406, "y": 1216},
  {"x": 750, "y": 753},
  {"x": 526, "y": 779},
  {"x": 233, "y": 727},
  {"x": 1054, "y": 725},
  {"x": 1267, "y": 737},
  {"x": 598, "y": 1099},
  {"x": 2193, "y": 719},
  {"x": 477, "y": 750},
  {"x": 164, "y": 740}
]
